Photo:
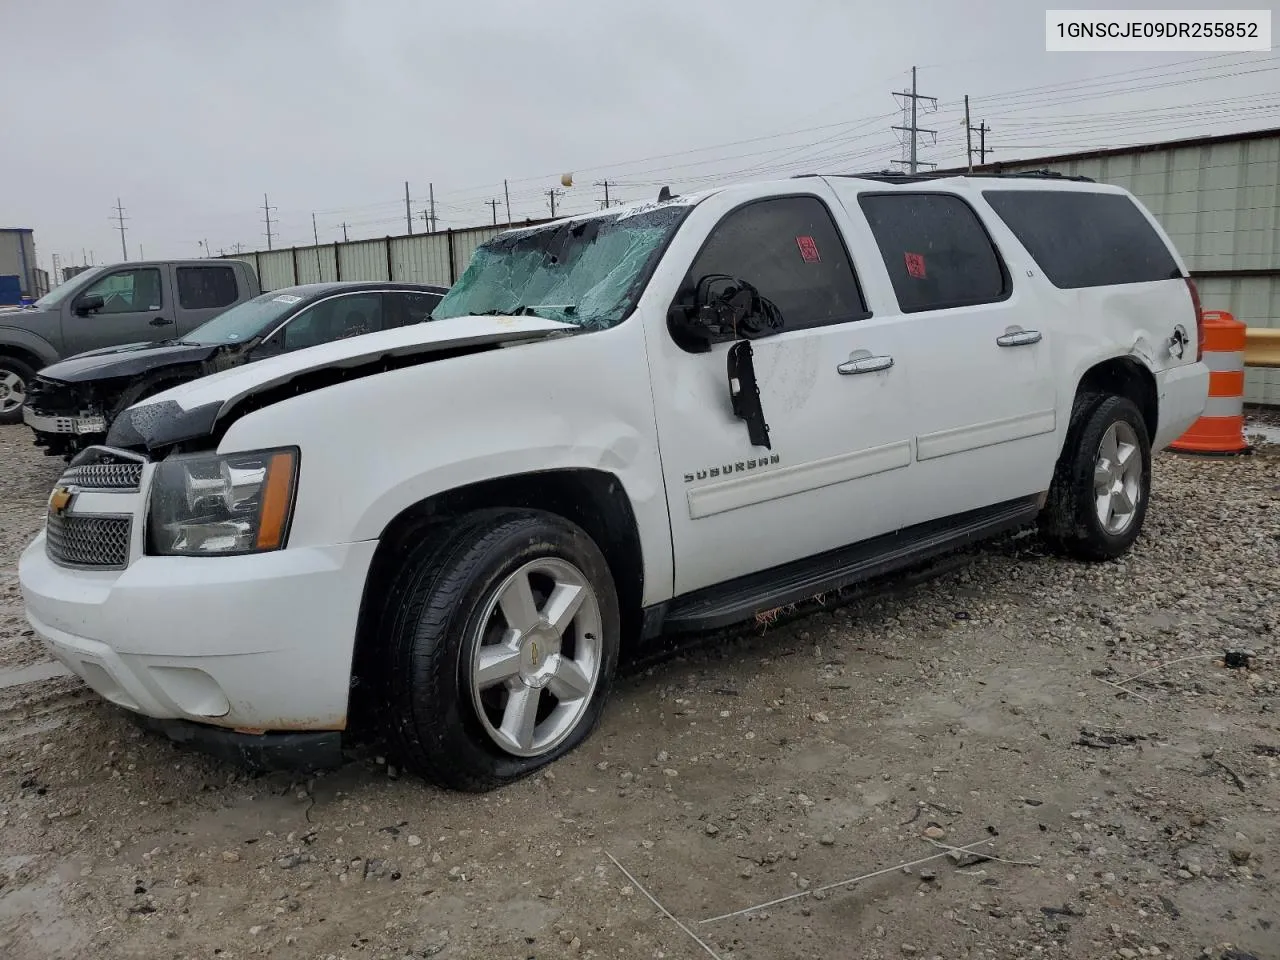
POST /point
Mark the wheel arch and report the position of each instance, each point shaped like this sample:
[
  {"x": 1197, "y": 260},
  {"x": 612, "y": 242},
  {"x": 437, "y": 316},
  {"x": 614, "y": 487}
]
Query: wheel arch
[
  {"x": 593, "y": 499},
  {"x": 22, "y": 355},
  {"x": 1124, "y": 376}
]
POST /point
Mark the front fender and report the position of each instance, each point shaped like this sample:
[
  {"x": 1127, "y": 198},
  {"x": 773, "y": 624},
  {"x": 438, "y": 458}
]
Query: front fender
[
  {"x": 29, "y": 342},
  {"x": 374, "y": 446}
]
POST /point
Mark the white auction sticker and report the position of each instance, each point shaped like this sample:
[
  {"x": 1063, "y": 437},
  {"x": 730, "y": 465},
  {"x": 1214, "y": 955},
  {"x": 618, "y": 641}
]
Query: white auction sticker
[{"x": 1176, "y": 31}]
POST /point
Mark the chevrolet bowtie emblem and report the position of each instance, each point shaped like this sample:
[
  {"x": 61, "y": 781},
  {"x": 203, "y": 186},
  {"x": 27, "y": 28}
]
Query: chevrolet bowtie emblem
[
  {"x": 534, "y": 652},
  {"x": 59, "y": 499}
]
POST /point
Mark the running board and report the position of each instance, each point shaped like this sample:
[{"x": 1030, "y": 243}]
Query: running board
[{"x": 723, "y": 604}]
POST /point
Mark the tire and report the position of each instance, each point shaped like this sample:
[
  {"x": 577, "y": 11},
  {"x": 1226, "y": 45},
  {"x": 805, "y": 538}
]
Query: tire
[
  {"x": 14, "y": 377},
  {"x": 446, "y": 600},
  {"x": 1072, "y": 520}
]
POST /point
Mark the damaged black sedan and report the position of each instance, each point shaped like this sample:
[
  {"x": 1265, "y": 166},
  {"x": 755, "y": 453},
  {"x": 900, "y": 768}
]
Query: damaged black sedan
[{"x": 71, "y": 404}]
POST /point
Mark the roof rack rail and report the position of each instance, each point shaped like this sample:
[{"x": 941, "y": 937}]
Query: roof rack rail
[{"x": 898, "y": 176}]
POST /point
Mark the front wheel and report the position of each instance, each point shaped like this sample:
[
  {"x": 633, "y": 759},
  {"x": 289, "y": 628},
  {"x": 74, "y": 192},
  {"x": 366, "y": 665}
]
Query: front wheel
[
  {"x": 14, "y": 377},
  {"x": 503, "y": 636},
  {"x": 1102, "y": 483}
]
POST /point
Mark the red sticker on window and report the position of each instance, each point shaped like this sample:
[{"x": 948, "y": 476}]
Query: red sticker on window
[
  {"x": 808, "y": 249},
  {"x": 915, "y": 264}
]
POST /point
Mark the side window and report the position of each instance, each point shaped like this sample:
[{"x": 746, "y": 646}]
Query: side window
[
  {"x": 128, "y": 291},
  {"x": 404, "y": 307},
  {"x": 334, "y": 319},
  {"x": 205, "y": 288},
  {"x": 936, "y": 250},
  {"x": 790, "y": 250},
  {"x": 1083, "y": 239}
]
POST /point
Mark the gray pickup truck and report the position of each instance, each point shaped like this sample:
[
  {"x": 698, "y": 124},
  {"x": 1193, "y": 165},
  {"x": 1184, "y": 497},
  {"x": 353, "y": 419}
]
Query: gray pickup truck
[{"x": 113, "y": 305}]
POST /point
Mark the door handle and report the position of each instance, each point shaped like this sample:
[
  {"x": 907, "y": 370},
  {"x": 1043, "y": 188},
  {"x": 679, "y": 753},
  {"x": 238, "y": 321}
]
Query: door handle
[
  {"x": 159, "y": 322},
  {"x": 1019, "y": 338},
  {"x": 865, "y": 365}
]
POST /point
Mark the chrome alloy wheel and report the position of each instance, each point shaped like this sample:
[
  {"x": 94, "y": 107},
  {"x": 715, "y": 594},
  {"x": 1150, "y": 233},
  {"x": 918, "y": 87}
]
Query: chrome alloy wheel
[
  {"x": 1117, "y": 478},
  {"x": 13, "y": 392},
  {"x": 536, "y": 657}
]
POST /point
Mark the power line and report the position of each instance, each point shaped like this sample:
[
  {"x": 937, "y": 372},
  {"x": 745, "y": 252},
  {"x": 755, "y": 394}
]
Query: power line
[
  {"x": 120, "y": 219},
  {"x": 606, "y": 184},
  {"x": 493, "y": 204},
  {"x": 551, "y": 195}
]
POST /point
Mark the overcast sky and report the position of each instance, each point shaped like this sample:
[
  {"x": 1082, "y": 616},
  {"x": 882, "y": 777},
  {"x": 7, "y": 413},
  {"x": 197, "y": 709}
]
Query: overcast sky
[{"x": 189, "y": 111}]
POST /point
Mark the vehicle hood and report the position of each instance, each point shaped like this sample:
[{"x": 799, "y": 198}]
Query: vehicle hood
[
  {"x": 128, "y": 360},
  {"x": 31, "y": 318},
  {"x": 191, "y": 410}
]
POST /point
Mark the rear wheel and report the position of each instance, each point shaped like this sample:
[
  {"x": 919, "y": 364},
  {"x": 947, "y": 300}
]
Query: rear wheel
[
  {"x": 14, "y": 377},
  {"x": 503, "y": 636},
  {"x": 1102, "y": 484}
]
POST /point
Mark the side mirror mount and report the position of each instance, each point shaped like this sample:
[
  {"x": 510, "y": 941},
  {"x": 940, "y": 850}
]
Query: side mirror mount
[
  {"x": 267, "y": 348},
  {"x": 721, "y": 308},
  {"x": 89, "y": 304}
]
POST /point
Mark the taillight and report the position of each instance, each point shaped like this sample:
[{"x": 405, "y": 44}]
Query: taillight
[{"x": 1195, "y": 303}]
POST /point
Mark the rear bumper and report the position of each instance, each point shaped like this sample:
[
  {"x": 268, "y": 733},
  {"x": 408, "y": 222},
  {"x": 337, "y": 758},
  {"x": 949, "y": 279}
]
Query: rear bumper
[
  {"x": 258, "y": 752},
  {"x": 1183, "y": 392}
]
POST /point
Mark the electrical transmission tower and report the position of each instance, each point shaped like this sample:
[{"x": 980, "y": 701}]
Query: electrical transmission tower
[
  {"x": 910, "y": 114},
  {"x": 120, "y": 218}
]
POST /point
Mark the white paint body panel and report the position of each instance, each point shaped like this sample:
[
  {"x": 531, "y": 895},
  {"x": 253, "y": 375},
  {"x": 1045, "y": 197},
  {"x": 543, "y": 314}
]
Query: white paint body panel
[{"x": 957, "y": 422}]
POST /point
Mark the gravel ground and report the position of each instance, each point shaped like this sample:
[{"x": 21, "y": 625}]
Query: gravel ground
[{"x": 975, "y": 706}]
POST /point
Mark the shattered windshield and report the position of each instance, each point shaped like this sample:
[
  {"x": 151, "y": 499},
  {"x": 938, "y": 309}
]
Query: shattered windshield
[{"x": 587, "y": 271}]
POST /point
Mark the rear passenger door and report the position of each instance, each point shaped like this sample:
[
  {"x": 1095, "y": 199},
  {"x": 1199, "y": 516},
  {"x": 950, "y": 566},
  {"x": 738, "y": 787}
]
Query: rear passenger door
[
  {"x": 978, "y": 356},
  {"x": 203, "y": 293}
]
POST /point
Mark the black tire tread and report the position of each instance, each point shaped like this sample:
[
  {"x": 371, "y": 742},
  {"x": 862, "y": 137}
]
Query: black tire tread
[
  {"x": 1067, "y": 522},
  {"x": 27, "y": 374},
  {"x": 417, "y": 618}
]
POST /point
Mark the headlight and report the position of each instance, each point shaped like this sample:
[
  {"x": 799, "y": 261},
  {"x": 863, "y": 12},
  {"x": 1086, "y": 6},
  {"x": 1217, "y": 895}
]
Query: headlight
[{"x": 210, "y": 505}]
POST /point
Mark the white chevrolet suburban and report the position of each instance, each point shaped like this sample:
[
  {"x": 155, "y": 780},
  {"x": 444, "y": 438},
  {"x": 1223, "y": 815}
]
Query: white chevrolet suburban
[{"x": 664, "y": 417}]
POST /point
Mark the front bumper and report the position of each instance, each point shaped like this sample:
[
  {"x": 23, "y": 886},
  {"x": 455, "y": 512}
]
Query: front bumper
[
  {"x": 250, "y": 643},
  {"x": 257, "y": 752},
  {"x": 65, "y": 425}
]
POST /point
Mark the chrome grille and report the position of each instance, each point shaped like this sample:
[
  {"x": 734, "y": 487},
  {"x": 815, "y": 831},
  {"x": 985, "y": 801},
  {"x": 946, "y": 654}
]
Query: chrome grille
[
  {"x": 88, "y": 541},
  {"x": 104, "y": 476}
]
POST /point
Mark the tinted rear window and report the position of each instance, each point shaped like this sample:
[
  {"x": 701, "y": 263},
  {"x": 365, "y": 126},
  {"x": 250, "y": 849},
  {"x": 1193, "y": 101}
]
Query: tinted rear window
[{"x": 1085, "y": 239}]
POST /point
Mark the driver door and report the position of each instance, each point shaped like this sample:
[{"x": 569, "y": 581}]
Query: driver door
[
  {"x": 134, "y": 308},
  {"x": 837, "y": 409}
]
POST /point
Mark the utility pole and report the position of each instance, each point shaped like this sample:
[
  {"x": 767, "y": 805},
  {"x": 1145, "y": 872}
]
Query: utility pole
[
  {"x": 266, "y": 210},
  {"x": 431, "y": 202},
  {"x": 983, "y": 150},
  {"x": 141, "y": 255},
  {"x": 493, "y": 204},
  {"x": 913, "y": 130},
  {"x": 344, "y": 232},
  {"x": 552, "y": 194},
  {"x": 408, "y": 216},
  {"x": 120, "y": 218},
  {"x": 316, "y": 234},
  {"x": 606, "y": 184},
  {"x": 968, "y": 135},
  {"x": 239, "y": 247},
  {"x": 506, "y": 192}
]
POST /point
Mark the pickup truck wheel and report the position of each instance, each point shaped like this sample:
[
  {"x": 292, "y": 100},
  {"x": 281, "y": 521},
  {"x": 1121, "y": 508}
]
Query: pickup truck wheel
[
  {"x": 1102, "y": 484},
  {"x": 14, "y": 377},
  {"x": 504, "y": 635}
]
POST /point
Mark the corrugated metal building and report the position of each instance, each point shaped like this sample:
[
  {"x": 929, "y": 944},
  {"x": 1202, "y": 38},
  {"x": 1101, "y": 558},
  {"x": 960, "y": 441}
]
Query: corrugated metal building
[
  {"x": 18, "y": 258},
  {"x": 1219, "y": 200}
]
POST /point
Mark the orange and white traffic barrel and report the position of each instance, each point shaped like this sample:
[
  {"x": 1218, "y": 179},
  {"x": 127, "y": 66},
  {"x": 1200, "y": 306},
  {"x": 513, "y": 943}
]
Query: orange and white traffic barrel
[{"x": 1220, "y": 429}]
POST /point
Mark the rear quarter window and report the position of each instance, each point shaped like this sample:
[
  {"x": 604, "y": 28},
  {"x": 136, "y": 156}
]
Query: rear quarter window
[{"x": 1081, "y": 239}]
